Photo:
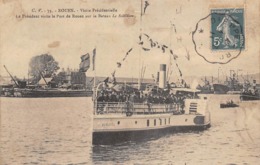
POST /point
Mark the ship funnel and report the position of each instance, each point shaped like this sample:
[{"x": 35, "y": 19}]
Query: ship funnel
[{"x": 162, "y": 79}]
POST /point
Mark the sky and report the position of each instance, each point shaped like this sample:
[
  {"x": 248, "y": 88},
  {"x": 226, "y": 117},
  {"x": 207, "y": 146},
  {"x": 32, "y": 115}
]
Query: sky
[{"x": 66, "y": 39}]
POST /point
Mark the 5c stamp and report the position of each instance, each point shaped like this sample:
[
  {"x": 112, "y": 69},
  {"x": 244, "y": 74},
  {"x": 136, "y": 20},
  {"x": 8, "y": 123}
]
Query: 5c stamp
[
  {"x": 219, "y": 37},
  {"x": 227, "y": 28}
]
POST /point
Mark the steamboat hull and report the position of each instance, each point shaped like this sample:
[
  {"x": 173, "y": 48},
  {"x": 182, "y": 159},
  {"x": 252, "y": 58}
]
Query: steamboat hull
[
  {"x": 141, "y": 135},
  {"x": 118, "y": 122},
  {"x": 124, "y": 129}
]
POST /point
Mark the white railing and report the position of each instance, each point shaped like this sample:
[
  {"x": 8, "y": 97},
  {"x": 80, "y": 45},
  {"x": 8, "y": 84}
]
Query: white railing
[{"x": 135, "y": 108}]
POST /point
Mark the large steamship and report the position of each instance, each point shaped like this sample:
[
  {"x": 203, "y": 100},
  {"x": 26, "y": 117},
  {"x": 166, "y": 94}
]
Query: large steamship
[{"x": 116, "y": 122}]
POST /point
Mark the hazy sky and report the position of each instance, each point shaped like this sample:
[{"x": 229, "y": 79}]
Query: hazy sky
[{"x": 69, "y": 38}]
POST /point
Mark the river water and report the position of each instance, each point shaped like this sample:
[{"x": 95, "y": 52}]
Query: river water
[{"x": 58, "y": 131}]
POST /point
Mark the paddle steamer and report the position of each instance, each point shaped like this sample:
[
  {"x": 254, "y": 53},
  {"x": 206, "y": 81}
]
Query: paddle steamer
[{"x": 117, "y": 122}]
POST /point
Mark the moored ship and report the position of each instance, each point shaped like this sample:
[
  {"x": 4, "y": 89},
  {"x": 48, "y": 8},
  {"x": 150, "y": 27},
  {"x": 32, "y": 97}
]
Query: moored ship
[
  {"x": 206, "y": 88},
  {"x": 46, "y": 87},
  {"x": 231, "y": 85},
  {"x": 220, "y": 88}
]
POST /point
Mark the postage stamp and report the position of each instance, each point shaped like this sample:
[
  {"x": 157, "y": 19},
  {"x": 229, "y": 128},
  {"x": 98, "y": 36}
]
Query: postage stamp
[
  {"x": 227, "y": 28},
  {"x": 219, "y": 37}
]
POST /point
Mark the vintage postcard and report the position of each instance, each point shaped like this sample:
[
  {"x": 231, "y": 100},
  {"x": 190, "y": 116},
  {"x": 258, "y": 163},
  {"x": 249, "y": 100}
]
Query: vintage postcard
[{"x": 129, "y": 82}]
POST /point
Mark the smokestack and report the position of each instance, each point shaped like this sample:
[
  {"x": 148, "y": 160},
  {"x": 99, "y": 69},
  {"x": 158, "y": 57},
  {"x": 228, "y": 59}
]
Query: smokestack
[{"x": 162, "y": 80}]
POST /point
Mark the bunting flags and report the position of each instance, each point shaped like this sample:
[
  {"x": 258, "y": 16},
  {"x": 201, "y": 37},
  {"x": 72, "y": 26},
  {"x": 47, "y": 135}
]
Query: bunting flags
[
  {"x": 127, "y": 53},
  {"x": 147, "y": 43},
  {"x": 179, "y": 69}
]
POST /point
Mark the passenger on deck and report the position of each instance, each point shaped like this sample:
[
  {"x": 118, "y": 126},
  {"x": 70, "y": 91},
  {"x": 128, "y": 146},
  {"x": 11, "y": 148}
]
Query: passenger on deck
[
  {"x": 113, "y": 97},
  {"x": 181, "y": 102},
  {"x": 120, "y": 97},
  {"x": 155, "y": 100},
  {"x": 132, "y": 98},
  {"x": 106, "y": 97},
  {"x": 161, "y": 99},
  {"x": 168, "y": 100},
  {"x": 101, "y": 98}
]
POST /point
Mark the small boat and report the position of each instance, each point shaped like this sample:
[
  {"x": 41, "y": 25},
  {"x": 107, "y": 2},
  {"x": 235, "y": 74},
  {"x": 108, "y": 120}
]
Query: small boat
[
  {"x": 130, "y": 120},
  {"x": 228, "y": 104}
]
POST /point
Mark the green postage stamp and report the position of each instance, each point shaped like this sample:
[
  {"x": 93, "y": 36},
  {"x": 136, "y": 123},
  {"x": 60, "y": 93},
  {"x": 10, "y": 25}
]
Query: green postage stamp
[{"x": 227, "y": 29}]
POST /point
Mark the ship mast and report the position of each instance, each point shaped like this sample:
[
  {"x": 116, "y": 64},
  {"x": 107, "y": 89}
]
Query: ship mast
[
  {"x": 11, "y": 77},
  {"x": 140, "y": 72}
]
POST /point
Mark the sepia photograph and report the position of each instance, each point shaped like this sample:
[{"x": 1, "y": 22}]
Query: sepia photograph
[{"x": 129, "y": 82}]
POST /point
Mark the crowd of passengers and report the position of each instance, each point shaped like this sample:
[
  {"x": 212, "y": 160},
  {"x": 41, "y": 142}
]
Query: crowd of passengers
[{"x": 140, "y": 97}]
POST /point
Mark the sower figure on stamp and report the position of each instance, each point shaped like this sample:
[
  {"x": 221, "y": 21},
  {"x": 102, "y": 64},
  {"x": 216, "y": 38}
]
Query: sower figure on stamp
[{"x": 224, "y": 26}]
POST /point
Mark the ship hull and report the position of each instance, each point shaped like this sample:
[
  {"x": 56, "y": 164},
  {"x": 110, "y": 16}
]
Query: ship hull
[
  {"x": 220, "y": 89},
  {"x": 52, "y": 93},
  {"x": 111, "y": 130},
  {"x": 248, "y": 97},
  {"x": 106, "y": 138},
  {"x": 206, "y": 91}
]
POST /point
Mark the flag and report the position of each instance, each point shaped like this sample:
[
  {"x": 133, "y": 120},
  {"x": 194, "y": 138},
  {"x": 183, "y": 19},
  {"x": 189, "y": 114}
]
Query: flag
[
  {"x": 140, "y": 37},
  {"x": 93, "y": 59},
  {"x": 179, "y": 69},
  {"x": 106, "y": 80},
  {"x": 141, "y": 43},
  {"x": 118, "y": 64},
  {"x": 171, "y": 51},
  {"x": 85, "y": 62},
  {"x": 146, "y": 49},
  {"x": 147, "y": 35},
  {"x": 146, "y": 4},
  {"x": 129, "y": 51},
  {"x": 153, "y": 44}
]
